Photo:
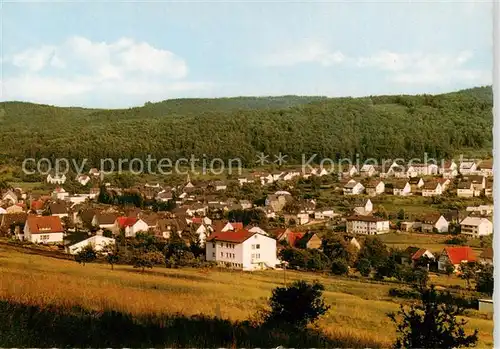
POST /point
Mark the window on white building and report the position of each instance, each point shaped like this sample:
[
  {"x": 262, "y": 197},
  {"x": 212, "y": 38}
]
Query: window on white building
[
  {"x": 213, "y": 254},
  {"x": 257, "y": 246}
]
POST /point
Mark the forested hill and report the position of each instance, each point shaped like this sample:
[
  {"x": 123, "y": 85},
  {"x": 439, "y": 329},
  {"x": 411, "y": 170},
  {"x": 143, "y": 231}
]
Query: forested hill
[{"x": 376, "y": 126}]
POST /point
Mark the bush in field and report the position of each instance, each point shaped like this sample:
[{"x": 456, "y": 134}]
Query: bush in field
[
  {"x": 297, "y": 305},
  {"x": 364, "y": 267},
  {"x": 295, "y": 257},
  {"x": 484, "y": 280},
  {"x": 86, "y": 255},
  {"x": 456, "y": 240},
  {"x": 317, "y": 261},
  {"x": 145, "y": 260},
  {"x": 340, "y": 267},
  {"x": 431, "y": 324}
]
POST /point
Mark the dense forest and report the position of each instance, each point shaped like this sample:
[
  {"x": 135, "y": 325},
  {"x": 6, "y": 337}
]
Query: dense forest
[{"x": 376, "y": 127}]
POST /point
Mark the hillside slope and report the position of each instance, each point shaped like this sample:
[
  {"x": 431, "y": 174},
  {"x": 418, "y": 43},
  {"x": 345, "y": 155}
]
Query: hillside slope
[{"x": 376, "y": 126}]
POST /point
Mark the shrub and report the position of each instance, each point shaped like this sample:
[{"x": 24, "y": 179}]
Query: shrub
[
  {"x": 364, "y": 267},
  {"x": 86, "y": 255},
  {"x": 297, "y": 305},
  {"x": 431, "y": 324},
  {"x": 404, "y": 293},
  {"x": 340, "y": 267}
]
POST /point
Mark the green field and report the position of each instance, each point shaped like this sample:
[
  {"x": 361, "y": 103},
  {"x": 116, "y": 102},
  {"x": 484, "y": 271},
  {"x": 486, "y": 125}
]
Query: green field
[{"x": 357, "y": 317}]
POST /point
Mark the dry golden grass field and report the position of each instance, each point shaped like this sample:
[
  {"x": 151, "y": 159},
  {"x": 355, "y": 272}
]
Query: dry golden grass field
[{"x": 357, "y": 315}]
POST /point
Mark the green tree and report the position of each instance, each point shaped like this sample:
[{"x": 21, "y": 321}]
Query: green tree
[
  {"x": 431, "y": 324},
  {"x": 86, "y": 255},
  {"x": 449, "y": 269},
  {"x": 317, "y": 260},
  {"x": 484, "y": 280},
  {"x": 401, "y": 214},
  {"x": 144, "y": 260},
  {"x": 374, "y": 250},
  {"x": 296, "y": 258},
  {"x": 336, "y": 247},
  {"x": 467, "y": 272},
  {"x": 364, "y": 267},
  {"x": 104, "y": 196},
  {"x": 340, "y": 267},
  {"x": 110, "y": 252},
  {"x": 297, "y": 305},
  {"x": 123, "y": 180}
]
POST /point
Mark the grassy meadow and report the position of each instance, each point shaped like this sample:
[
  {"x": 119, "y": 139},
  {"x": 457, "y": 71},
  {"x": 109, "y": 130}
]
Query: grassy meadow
[{"x": 165, "y": 299}]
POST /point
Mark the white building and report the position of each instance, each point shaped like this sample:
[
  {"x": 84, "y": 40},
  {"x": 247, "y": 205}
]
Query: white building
[
  {"x": 83, "y": 179},
  {"x": 415, "y": 170},
  {"x": 432, "y": 189},
  {"x": 476, "y": 226},
  {"x": 481, "y": 209},
  {"x": 435, "y": 222},
  {"x": 468, "y": 167},
  {"x": 97, "y": 242},
  {"x": 130, "y": 225},
  {"x": 242, "y": 250},
  {"x": 56, "y": 179},
  {"x": 60, "y": 194},
  {"x": 104, "y": 221},
  {"x": 367, "y": 225},
  {"x": 43, "y": 229},
  {"x": 367, "y": 170},
  {"x": 353, "y": 188},
  {"x": 401, "y": 188},
  {"x": 364, "y": 210},
  {"x": 10, "y": 197},
  {"x": 465, "y": 189},
  {"x": 375, "y": 187}
]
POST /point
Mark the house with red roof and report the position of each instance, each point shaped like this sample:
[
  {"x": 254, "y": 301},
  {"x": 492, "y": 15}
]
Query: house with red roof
[
  {"x": 43, "y": 229},
  {"x": 37, "y": 206},
  {"x": 455, "y": 256},
  {"x": 413, "y": 254},
  {"x": 290, "y": 237},
  {"x": 130, "y": 225},
  {"x": 242, "y": 249}
]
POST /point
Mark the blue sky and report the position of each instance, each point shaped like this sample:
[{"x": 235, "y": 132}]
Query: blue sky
[{"x": 124, "y": 54}]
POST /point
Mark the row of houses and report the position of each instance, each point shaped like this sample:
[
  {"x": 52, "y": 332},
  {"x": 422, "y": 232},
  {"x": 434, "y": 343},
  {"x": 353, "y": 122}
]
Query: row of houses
[
  {"x": 454, "y": 256},
  {"x": 446, "y": 169},
  {"x": 469, "y": 186}
]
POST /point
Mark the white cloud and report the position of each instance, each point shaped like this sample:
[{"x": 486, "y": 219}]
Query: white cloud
[
  {"x": 423, "y": 69},
  {"x": 35, "y": 59},
  {"x": 308, "y": 52},
  {"x": 80, "y": 67}
]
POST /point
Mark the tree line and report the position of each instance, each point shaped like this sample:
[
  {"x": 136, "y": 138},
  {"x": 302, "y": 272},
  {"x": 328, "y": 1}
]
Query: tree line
[{"x": 373, "y": 127}]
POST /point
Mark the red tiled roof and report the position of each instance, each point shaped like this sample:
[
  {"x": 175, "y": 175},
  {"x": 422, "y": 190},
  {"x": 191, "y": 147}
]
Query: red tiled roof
[
  {"x": 418, "y": 254},
  {"x": 277, "y": 232},
  {"x": 197, "y": 220},
  {"x": 293, "y": 237},
  {"x": 237, "y": 236},
  {"x": 44, "y": 224},
  {"x": 236, "y": 225},
  {"x": 126, "y": 221},
  {"x": 36, "y": 204},
  {"x": 459, "y": 254}
]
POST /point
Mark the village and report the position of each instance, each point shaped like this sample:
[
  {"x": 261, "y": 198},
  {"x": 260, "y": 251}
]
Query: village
[{"x": 201, "y": 213}]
